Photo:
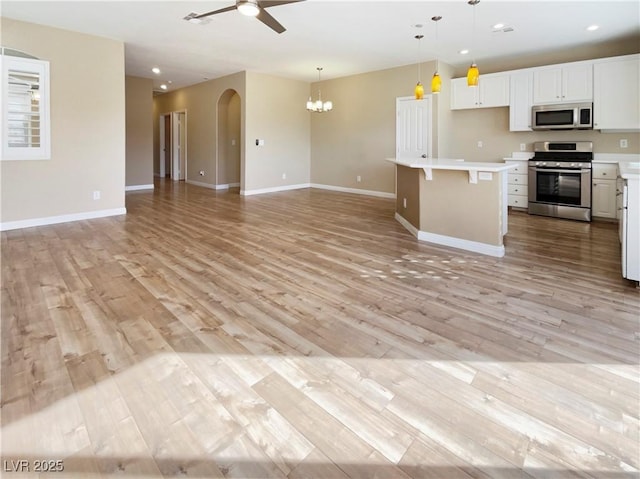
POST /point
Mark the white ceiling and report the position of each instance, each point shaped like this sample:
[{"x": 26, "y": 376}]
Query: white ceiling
[{"x": 344, "y": 37}]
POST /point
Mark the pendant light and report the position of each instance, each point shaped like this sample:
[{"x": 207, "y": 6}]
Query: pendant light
[
  {"x": 473, "y": 74},
  {"x": 419, "y": 90},
  {"x": 436, "y": 82},
  {"x": 319, "y": 106}
]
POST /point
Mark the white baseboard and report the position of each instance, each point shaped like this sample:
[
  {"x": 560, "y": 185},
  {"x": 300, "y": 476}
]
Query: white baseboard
[
  {"x": 52, "y": 220},
  {"x": 203, "y": 185},
  {"x": 473, "y": 246},
  {"x": 274, "y": 189},
  {"x": 227, "y": 186},
  {"x": 212, "y": 186},
  {"x": 357, "y": 191},
  {"x": 138, "y": 187}
]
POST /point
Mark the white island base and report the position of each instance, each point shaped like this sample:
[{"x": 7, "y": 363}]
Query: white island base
[{"x": 454, "y": 203}]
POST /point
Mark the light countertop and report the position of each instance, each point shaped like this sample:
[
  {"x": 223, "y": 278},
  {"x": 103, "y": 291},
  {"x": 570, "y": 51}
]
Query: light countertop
[
  {"x": 452, "y": 164},
  {"x": 629, "y": 170}
]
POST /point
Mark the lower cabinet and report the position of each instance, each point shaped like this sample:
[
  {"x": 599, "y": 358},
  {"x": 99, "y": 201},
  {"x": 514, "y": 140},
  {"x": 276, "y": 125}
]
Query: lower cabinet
[
  {"x": 603, "y": 191},
  {"x": 518, "y": 182}
]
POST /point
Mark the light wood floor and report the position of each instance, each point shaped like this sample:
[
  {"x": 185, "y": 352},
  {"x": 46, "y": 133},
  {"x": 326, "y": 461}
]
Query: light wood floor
[{"x": 306, "y": 334}]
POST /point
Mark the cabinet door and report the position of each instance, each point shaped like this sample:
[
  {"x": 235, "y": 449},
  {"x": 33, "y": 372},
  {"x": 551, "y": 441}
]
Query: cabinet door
[
  {"x": 616, "y": 94},
  {"x": 547, "y": 85},
  {"x": 521, "y": 99},
  {"x": 494, "y": 91},
  {"x": 603, "y": 200},
  {"x": 463, "y": 96},
  {"x": 577, "y": 82}
]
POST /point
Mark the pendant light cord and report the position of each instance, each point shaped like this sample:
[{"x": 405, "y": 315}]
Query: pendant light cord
[{"x": 419, "y": 38}]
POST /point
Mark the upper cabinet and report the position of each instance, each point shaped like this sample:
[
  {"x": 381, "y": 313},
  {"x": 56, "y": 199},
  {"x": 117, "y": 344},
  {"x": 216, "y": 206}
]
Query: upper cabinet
[
  {"x": 616, "y": 93},
  {"x": 492, "y": 91},
  {"x": 521, "y": 93},
  {"x": 571, "y": 82}
]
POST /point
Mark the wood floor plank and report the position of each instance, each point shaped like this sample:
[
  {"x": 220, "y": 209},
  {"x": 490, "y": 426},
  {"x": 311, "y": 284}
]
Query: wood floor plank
[{"x": 307, "y": 334}]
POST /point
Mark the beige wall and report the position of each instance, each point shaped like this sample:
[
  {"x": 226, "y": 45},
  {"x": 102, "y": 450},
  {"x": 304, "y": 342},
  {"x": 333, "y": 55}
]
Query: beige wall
[
  {"x": 275, "y": 112},
  {"x": 491, "y": 126},
  {"x": 272, "y": 109},
  {"x": 409, "y": 190},
  {"x": 139, "y": 127},
  {"x": 451, "y": 206},
  {"x": 87, "y": 127},
  {"x": 355, "y": 138},
  {"x": 229, "y": 138},
  {"x": 200, "y": 103}
]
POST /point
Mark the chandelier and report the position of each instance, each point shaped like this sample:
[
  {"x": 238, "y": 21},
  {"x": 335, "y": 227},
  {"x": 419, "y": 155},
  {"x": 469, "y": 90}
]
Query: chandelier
[{"x": 319, "y": 106}]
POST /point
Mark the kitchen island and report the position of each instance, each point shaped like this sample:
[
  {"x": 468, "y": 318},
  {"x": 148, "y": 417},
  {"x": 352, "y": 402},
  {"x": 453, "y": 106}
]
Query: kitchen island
[{"x": 457, "y": 203}]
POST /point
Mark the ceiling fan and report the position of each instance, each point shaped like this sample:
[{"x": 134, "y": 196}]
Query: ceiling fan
[{"x": 255, "y": 8}]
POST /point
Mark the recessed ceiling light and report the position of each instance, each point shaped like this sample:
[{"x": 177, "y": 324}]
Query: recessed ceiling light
[
  {"x": 498, "y": 26},
  {"x": 163, "y": 86},
  {"x": 156, "y": 70},
  {"x": 463, "y": 52},
  {"x": 592, "y": 28}
]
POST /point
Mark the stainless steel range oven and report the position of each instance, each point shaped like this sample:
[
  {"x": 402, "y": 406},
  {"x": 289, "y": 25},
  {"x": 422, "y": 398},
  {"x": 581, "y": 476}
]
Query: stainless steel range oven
[{"x": 560, "y": 179}]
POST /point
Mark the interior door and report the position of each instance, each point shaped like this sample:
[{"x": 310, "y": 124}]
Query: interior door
[
  {"x": 167, "y": 145},
  {"x": 413, "y": 128}
]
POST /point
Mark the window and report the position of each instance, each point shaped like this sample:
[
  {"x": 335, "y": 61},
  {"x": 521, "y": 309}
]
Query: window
[{"x": 25, "y": 107}]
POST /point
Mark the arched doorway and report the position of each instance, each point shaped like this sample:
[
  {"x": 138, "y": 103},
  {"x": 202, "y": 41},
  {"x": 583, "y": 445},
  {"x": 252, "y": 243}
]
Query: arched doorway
[{"x": 229, "y": 141}]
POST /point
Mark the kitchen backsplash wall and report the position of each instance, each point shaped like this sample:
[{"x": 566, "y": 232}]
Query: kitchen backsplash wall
[{"x": 490, "y": 126}]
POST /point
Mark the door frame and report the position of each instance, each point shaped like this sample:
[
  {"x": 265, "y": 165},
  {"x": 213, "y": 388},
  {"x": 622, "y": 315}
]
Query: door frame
[{"x": 175, "y": 141}]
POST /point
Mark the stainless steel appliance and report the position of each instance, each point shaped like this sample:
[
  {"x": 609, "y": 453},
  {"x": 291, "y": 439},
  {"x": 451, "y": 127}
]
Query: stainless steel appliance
[
  {"x": 560, "y": 179},
  {"x": 562, "y": 116}
]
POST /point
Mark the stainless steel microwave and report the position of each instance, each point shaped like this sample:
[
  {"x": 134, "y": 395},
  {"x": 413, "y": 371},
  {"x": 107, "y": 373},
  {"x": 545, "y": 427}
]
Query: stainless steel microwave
[{"x": 562, "y": 116}]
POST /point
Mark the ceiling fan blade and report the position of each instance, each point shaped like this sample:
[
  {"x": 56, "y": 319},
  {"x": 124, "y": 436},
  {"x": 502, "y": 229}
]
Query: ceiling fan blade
[
  {"x": 269, "y": 21},
  {"x": 222, "y": 10},
  {"x": 275, "y": 3}
]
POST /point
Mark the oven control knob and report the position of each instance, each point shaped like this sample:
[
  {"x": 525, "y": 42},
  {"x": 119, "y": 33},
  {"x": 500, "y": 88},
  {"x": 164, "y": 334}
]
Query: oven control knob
[
  {"x": 557, "y": 164},
  {"x": 573, "y": 164}
]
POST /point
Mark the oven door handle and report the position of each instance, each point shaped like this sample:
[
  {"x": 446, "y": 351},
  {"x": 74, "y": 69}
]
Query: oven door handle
[{"x": 555, "y": 170}]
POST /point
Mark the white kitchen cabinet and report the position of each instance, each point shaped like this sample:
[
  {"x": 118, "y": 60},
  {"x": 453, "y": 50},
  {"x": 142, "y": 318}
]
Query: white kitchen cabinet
[
  {"x": 570, "y": 82},
  {"x": 517, "y": 184},
  {"x": 521, "y": 100},
  {"x": 603, "y": 199},
  {"x": 492, "y": 91},
  {"x": 603, "y": 191},
  {"x": 616, "y": 93}
]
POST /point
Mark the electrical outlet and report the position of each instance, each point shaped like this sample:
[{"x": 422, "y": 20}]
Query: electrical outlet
[
  {"x": 201, "y": 172},
  {"x": 358, "y": 178},
  {"x": 480, "y": 144},
  {"x": 404, "y": 202},
  {"x": 523, "y": 147},
  {"x": 284, "y": 176},
  {"x": 624, "y": 143},
  {"x": 96, "y": 195},
  {"x": 233, "y": 142}
]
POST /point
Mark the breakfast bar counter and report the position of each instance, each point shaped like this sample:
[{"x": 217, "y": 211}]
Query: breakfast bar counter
[{"x": 457, "y": 203}]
